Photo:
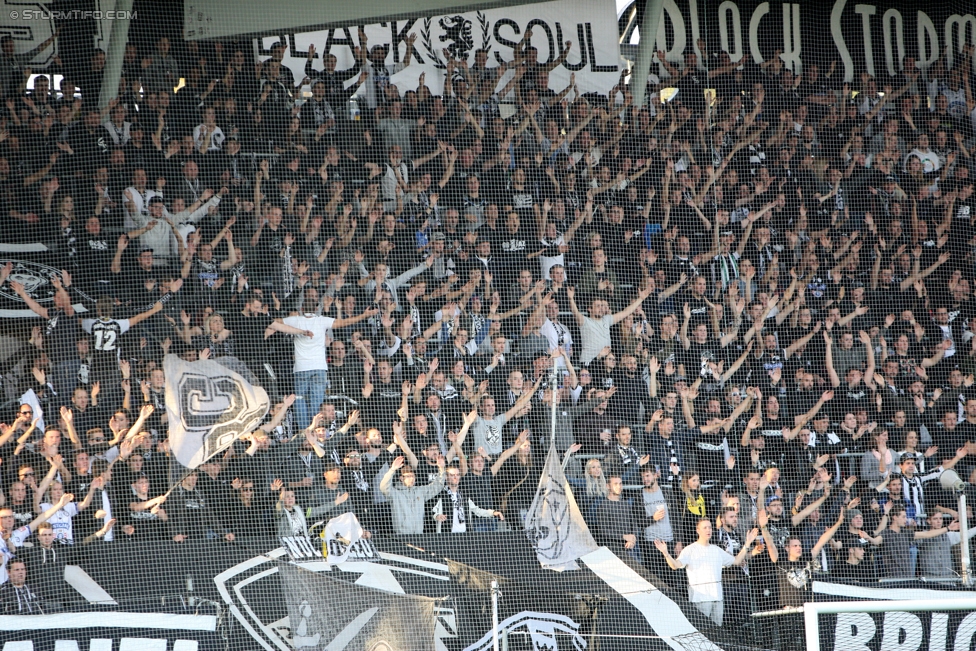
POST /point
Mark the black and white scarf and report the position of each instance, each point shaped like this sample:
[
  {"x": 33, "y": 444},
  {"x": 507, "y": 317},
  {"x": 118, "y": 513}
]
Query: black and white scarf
[{"x": 458, "y": 503}]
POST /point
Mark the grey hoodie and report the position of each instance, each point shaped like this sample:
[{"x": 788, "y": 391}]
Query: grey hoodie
[{"x": 407, "y": 504}]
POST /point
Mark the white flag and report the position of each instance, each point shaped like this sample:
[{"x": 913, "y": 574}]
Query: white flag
[
  {"x": 344, "y": 540},
  {"x": 554, "y": 523},
  {"x": 209, "y": 406}
]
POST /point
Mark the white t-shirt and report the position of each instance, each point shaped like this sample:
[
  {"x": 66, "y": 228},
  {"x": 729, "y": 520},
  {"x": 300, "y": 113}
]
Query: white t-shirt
[
  {"x": 546, "y": 262},
  {"x": 7, "y": 552},
  {"x": 140, "y": 204},
  {"x": 61, "y": 521},
  {"x": 310, "y": 353},
  {"x": 704, "y": 564},
  {"x": 216, "y": 138},
  {"x": 596, "y": 336},
  {"x": 559, "y": 336}
]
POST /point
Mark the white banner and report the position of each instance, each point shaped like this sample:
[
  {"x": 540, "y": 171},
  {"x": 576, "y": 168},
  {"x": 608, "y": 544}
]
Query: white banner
[
  {"x": 209, "y": 406},
  {"x": 590, "y": 26}
]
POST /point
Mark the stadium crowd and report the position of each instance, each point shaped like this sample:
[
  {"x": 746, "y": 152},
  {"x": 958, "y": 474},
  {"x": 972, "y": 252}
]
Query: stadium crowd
[{"x": 758, "y": 302}]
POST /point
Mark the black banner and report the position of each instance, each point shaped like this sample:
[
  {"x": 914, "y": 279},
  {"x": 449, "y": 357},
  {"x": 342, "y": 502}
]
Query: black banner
[
  {"x": 239, "y": 586},
  {"x": 873, "y": 38},
  {"x": 214, "y": 595}
]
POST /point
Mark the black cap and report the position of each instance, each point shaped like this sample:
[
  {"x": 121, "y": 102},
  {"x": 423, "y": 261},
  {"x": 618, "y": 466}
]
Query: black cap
[{"x": 855, "y": 542}]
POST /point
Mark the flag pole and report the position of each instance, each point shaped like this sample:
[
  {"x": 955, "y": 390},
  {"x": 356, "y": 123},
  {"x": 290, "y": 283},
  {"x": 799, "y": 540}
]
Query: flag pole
[{"x": 494, "y": 613}]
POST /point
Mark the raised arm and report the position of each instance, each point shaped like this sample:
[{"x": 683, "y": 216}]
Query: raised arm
[
  {"x": 34, "y": 306},
  {"x": 571, "y": 294},
  {"x": 45, "y": 484},
  {"x": 139, "y": 318},
  {"x": 828, "y": 534},
  {"x": 509, "y": 452},
  {"x": 673, "y": 563},
  {"x": 66, "y": 499},
  {"x": 829, "y": 360},
  {"x": 636, "y": 303},
  {"x": 740, "y": 558},
  {"x": 400, "y": 440},
  {"x": 813, "y": 506}
]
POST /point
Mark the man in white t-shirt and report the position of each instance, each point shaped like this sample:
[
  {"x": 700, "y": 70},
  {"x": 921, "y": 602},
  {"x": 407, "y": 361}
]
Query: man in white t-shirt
[
  {"x": 595, "y": 328},
  {"x": 703, "y": 562},
  {"x": 929, "y": 159},
  {"x": 311, "y": 379},
  {"x": 137, "y": 198},
  {"x": 11, "y": 539}
]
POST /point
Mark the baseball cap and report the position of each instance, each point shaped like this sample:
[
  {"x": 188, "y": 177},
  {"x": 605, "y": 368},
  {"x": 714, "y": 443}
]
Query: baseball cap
[
  {"x": 438, "y": 237},
  {"x": 773, "y": 498},
  {"x": 855, "y": 541}
]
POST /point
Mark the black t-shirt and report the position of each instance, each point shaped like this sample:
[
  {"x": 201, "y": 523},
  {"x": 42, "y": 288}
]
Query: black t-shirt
[
  {"x": 763, "y": 582},
  {"x": 795, "y": 579},
  {"x": 139, "y": 284},
  {"x": 107, "y": 334},
  {"x": 514, "y": 248},
  {"x": 95, "y": 253},
  {"x": 268, "y": 250},
  {"x": 692, "y": 90},
  {"x": 249, "y": 336},
  {"x": 895, "y": 551},
  {"x": 379, "y": 410},
  {"x": 698, "y": 356},
  {"x": 863, "y": 572},
  {"x": 478, "y": 489},
  {"x": 710, "y": 450},
  {"x": 699, "y": 310}
]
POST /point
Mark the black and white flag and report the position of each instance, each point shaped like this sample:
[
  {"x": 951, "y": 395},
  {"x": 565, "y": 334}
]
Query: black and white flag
[
  {"x": 209, "y": 406},
  {"x": 326, "y": 612},
  {"x": 33, "y": 266},
  {"x": 554, "y": 523}
]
